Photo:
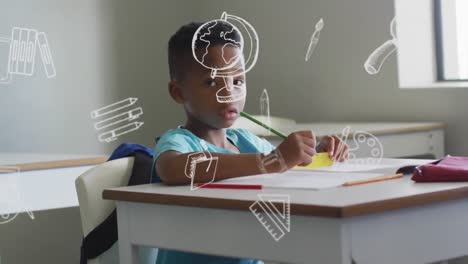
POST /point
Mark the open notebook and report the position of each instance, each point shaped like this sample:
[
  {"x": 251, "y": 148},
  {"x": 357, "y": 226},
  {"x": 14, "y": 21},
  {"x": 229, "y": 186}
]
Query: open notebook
[{"x": 303, "y": 179}]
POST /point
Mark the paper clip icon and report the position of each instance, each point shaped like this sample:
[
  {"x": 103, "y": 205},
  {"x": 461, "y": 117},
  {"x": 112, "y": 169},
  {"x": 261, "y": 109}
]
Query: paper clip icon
[
  {"x": 118, "y": 118},
  {"x": 20, "y": 53}
]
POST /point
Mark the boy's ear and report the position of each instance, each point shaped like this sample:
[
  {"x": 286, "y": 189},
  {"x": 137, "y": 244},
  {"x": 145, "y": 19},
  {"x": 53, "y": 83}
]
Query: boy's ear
[{"x": 176, "y": 92}]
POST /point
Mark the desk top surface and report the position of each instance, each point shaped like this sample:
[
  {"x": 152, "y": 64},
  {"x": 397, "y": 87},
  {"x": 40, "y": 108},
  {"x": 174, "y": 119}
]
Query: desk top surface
[
  {"x": 36, "y": 161},
  {"x": 337, "y": 202},
  {"x": 37, "y": 190}
]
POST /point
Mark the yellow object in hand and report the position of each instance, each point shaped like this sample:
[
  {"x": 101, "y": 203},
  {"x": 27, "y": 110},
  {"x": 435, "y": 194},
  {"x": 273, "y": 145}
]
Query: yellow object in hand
[{"x": 319, "y": 160}]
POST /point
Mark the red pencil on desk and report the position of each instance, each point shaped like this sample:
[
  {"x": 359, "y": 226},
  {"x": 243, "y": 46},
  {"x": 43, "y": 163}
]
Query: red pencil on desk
[{"x": 230, "y": 186}]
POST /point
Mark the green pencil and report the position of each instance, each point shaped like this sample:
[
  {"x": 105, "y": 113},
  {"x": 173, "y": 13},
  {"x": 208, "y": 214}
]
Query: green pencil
[{"x": 251, "y": 118}]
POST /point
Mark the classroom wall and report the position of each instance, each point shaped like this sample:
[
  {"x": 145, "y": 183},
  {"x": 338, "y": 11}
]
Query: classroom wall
[
  {"x": 104, "y": 51},
  {"x": 333, "y": 85}
]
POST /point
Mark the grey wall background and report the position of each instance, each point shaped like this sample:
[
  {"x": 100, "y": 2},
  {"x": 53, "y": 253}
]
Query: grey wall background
[
  {"x": 106, "y": 51},
  {"x": 109, "y": 50}
]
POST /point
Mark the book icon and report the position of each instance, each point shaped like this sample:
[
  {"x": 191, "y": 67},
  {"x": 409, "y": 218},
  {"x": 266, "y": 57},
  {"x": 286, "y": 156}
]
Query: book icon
[
  {"x": 18, "y": 53},
  {"x": 116, "y": 123},
  {"x": 273, "y": 211}
]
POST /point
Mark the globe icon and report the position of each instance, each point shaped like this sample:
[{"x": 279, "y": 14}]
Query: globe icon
[
  {"x": 211, "y": 33},
  {"x": 225, "y": 32}
]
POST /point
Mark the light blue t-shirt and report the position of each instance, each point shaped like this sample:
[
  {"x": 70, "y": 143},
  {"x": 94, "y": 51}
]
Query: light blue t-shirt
[{"x": 184, "y": 141}]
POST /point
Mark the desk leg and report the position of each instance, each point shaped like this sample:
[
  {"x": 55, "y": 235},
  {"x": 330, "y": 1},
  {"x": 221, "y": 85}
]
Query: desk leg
[{"x": 128, "y": 253}]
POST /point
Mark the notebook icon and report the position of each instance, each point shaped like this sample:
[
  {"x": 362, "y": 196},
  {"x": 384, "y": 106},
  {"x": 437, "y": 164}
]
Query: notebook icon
[{"x": 200, "y": 163}]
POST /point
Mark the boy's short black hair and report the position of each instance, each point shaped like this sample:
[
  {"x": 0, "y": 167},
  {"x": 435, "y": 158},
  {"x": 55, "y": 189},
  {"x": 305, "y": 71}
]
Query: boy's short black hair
[{"x": 180, "y": 45}]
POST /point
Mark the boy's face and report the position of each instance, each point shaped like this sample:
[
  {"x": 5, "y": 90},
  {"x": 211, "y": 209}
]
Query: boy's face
[{"x": 216, "y": 102}]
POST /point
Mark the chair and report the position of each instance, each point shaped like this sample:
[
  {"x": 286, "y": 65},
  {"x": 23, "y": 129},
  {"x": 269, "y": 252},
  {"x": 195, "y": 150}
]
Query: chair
[{"x": 94, "y": 210}]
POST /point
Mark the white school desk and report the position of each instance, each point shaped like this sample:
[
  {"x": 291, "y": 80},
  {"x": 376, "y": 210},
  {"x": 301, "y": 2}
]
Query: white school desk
[
  {"x": 396, "y": 221},
  {"x": 399, "y": 139},
  {"x": 46, "y": 181}
]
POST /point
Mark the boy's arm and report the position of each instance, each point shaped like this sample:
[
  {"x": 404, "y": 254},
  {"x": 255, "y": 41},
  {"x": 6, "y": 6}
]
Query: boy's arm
[{"x": 178, "y": 168}]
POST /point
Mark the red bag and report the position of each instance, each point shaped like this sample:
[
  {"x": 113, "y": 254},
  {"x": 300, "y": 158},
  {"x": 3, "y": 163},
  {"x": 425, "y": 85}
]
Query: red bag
[{"x": 448, "y": 169}]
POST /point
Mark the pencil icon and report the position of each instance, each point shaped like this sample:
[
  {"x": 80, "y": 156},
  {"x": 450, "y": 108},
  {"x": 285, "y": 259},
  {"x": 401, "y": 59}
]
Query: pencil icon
[
  {"x": 113, "y": 134},
  {"x": 127, "y": 116},
  {"x": 113, "y": 107}
]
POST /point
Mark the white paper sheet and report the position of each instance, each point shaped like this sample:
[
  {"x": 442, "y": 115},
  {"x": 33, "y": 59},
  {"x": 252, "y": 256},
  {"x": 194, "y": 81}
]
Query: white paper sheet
[{"x": 301, "y": 179}]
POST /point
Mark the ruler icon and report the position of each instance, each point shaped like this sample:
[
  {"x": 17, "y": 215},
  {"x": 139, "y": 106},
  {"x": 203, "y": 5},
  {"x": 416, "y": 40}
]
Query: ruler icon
[{"x": 273, "y": 211}]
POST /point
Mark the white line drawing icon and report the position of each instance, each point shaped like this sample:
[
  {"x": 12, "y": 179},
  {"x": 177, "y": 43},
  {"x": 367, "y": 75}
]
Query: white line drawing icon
[
  {"x": 201, "y": 42},
  {"x": 11, "y": 202},
  {"x": 314, "y": 39},
  {"x": 21, "y": 59},
  {"x": 23, "y": 51},
  {"x": 273, "y": 211},
  {"x": 365, "y": 142},
  {"x": 265, "y": 108},
  {"x": 274, "y": 157},
  {"x": 234, "y": 92},
  {"x": 115, "y": 133},
  {"x": 46, "y": 56},
  {"x": 376, "y": 59},
  {"x": 118, "y": 118},
  {"x": 127, "y": 116},
  {"x": 5, "y": 76},
  {"x": 113, "y": 107},
  {"x": 197, "y": 159}
]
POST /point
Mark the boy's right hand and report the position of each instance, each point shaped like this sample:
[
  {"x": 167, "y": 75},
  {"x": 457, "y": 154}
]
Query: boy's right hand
[{"x": 298, "y": 148}]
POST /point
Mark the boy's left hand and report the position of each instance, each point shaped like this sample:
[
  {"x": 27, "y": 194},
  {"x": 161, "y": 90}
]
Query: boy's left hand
[{"x": 336, "y": 148}]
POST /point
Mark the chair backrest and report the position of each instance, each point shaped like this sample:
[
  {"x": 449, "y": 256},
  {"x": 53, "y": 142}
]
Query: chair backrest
[{"x": 93, "y": 209}]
